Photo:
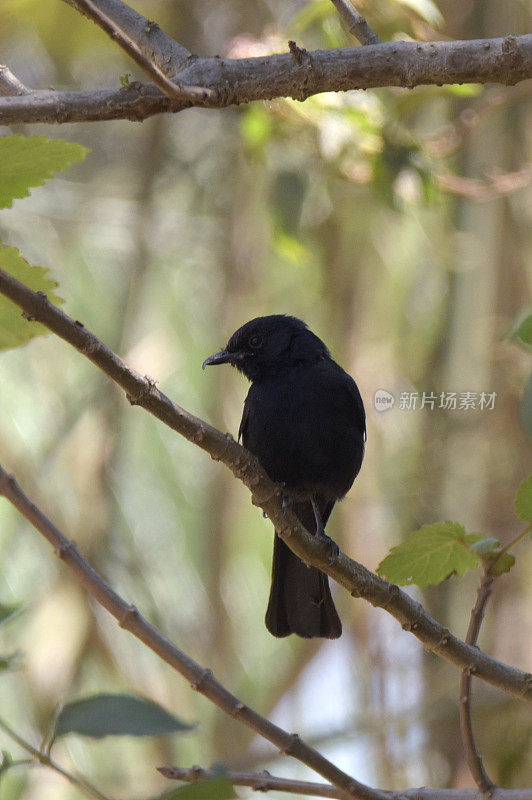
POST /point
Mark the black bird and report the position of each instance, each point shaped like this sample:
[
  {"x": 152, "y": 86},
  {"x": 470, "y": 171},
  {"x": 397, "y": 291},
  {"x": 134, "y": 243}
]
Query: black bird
[{"x": 304, "y": 420}]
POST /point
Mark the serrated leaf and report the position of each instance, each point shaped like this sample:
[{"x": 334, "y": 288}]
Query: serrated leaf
[
  {"x": 28, "y": 161},
  {"x": 503, "y": 564},
  {"x": 523, "y": 501},
  {"x": 219, "y": 788},
  {"x": 14, "y": 329},
  {"x": 117, "y": 715},
  {"x": 429, "y": 556},
  {"x": 6, "y": 612}
]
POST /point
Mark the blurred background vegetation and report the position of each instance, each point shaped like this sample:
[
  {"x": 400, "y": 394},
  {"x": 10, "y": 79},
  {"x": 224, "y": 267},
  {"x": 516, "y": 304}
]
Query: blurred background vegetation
[{"x": 397, "y": 223}]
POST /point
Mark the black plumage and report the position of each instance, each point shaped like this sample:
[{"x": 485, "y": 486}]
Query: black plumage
[{"x": 304, "y": 420}]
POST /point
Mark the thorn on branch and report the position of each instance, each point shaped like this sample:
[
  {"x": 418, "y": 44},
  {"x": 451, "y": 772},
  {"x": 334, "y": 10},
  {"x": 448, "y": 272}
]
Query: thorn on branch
[{"x": 299, "y": 54}]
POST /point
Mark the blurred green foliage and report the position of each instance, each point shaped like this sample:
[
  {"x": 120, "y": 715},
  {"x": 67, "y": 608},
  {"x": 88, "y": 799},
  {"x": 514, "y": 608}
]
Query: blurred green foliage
[{"x": 356, "y": 212}]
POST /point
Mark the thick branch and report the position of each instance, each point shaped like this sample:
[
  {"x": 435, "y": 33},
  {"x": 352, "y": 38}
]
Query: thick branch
[
  {"x": 264, "y": 782},
  {"x": 202, "y": 680},
  {"x": 355, "y": 22},
  {"x": 474, "y": 759},
  {"x": 358, "y": 580},
  {"x": 235, "y": 81}
]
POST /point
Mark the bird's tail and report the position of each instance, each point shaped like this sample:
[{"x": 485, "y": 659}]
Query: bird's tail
[{"x": 300, "y": 598}]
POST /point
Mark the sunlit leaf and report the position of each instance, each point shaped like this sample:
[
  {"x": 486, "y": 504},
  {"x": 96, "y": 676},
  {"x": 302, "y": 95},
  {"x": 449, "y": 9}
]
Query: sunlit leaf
[
  {"x": 523, "y": 501},
  {"x": 117, "y": 715},
  {"x": 14, "y": 329},
  {"x": 503, "y": 564},
  {"x": 28, "y": 161},
  {"x": 429, "y": 556}
]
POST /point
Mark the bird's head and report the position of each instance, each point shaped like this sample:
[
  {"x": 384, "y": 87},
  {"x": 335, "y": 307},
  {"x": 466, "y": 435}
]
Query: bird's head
[{"x": 270, "y": 345}]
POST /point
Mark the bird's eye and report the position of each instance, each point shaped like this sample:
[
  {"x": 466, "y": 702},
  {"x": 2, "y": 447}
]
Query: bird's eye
[{"x": 255, "y": 342}]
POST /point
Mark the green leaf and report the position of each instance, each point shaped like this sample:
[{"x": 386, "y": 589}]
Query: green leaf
[
  {"x": 28, "y": 161},
  {"x": 523, "y": 501},
  {"x": 430, "y": 555},
  {"x": 503, "y": 564},
  {"x": 14, "y": 329},
  {"x": 521, "y": 331},
  {"x": 219, "y": 788},
  {"x": 6, "y": 612},
  {"x": 116, "y": 715}
]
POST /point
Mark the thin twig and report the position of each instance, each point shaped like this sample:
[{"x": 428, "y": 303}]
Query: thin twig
[
  {"x": 202, "y": 680},
  {"x": 46, "y": 761},
  {"x": 356, "y": 23},
  {"x": 170, "y": 88},
  {"x": 10, "y": 84},
  {"x": 356, "y": 578},
  {"x": 474, "y": 759},
  {"x": 263, "y": 782}
]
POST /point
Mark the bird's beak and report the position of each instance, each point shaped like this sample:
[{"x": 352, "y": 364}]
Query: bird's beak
[{"x": 223, "y": 357}]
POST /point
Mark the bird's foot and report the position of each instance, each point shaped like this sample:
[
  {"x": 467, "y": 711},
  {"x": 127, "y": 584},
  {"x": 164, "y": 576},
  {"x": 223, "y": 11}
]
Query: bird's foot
[{"x": 334, "y": 550}]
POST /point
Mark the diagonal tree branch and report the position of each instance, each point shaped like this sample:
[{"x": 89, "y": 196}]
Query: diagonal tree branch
[
  {"x": 358, "y": 580},
  {"x": 356, "y": 23},
  {"x": 264, "y": 782},
  {"x": 10, "y": 84},
  {"x": 202, "y": 680},
  {"x": 151, "y": 40},
  {"x": 169, "y": 87},
  {"x": 235, "y": 81}
]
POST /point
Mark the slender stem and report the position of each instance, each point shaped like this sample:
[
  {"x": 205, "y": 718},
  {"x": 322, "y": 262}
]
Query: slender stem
[
  {"x": 356, "y": 23},
  {"x": 46, "y": 761},
  {"x": 170, "y": 88},
  {"x": 511, "y": 544},
  {"x": 10, "y": 84},
  {"x": 358, "y": 580},
  {"x": 202, "y": 680},
  {"x": 474, "y": 759}
]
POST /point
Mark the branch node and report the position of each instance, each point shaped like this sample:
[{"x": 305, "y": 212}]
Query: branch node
[
  {"x": 199, "y": 435},
  {"x": 199, "y": 684},
  {"x": 443, "y": 641},
  {"x": 129, "y": 613},
  {"x": 263, "y": 783},
  {"x": 68, "y": 548},
  {"x": 238, "y": 709},
  {"x": 146, "y": 391},
  {"x": 289, "y": 749}
]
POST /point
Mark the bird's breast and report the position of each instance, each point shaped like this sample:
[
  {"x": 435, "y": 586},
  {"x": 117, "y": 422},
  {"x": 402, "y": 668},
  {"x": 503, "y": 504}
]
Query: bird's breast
[{"x": 305, "y": 433}]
